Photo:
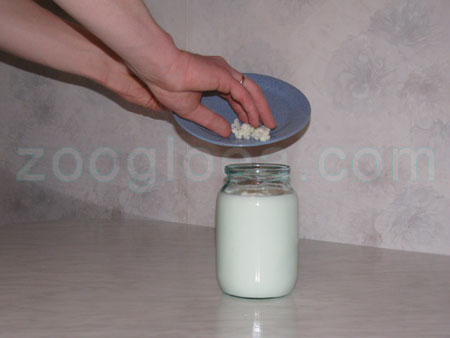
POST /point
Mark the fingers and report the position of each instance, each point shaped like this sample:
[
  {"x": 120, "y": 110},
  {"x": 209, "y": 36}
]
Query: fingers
[
  {"x": 228, "y": 85},
  {"x": 243, "y": 97},
  {"x": 153, "y": 104},
  {"x": 265, "y": 114},
  {"x": 213, "y": 73},
  {"x": 248, "y": 95},
  {"x": 209, "y": 120},
  {"x": 237, "y": 108},
  {"x": 140, "y": 95}
]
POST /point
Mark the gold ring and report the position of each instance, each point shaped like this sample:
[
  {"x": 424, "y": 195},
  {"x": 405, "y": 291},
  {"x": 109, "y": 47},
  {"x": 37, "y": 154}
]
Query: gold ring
[{"x": 242, "y": 79}]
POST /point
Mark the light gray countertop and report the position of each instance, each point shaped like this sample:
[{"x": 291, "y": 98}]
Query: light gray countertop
[{"x": 153, "y": 279}]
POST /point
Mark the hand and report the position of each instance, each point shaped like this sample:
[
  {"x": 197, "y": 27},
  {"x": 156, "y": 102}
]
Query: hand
[
  {"x": 117, "y": 77},
  {"x": 180, "y": 90},
  {"x": 163, "y": 75},
  {"x": 54, "y": 42}
]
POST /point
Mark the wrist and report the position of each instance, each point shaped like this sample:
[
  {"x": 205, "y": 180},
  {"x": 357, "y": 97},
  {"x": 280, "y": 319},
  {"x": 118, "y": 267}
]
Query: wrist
[{"x": 154, "y": 61}]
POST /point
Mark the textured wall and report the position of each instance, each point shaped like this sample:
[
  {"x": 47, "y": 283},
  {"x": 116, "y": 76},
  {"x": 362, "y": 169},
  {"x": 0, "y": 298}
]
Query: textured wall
[{"x": 377, "y": 74}]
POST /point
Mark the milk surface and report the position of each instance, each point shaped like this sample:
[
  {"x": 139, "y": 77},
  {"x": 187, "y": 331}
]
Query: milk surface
[{"x": 257, "y": 244}]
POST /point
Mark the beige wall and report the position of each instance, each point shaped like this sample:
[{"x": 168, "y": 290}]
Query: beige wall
[{"x": 377, "y": 74}]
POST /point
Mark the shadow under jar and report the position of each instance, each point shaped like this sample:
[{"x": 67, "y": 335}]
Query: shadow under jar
[{"x": 257, "y": 231}]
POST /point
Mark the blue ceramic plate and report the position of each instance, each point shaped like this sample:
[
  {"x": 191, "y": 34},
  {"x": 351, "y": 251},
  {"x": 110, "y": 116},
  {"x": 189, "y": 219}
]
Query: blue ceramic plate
[{"x": 289, "y": 106}]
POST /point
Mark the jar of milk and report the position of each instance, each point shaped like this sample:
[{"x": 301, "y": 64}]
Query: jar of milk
[{"x": 257, "y": 231}]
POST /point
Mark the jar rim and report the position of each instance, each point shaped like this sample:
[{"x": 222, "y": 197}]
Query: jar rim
[{"x": 265, "y": 169}]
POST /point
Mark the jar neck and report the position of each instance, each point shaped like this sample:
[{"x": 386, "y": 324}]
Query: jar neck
[
  {"x": 281, "y": 179},
  {"x": 257, "y": 173}
]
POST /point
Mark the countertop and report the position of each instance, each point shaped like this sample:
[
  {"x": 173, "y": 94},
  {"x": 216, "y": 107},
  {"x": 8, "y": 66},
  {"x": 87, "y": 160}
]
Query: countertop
[{"x": 132, "y": 279}]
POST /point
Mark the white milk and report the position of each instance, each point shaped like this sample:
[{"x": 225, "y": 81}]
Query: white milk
[{"x": 257, "y": 244}]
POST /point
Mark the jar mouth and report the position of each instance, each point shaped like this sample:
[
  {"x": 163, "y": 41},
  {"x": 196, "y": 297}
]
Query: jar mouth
[{"x": 257, "y": 169}]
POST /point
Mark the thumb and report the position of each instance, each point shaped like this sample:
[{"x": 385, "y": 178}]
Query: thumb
[{"x": 210, "y": 120}]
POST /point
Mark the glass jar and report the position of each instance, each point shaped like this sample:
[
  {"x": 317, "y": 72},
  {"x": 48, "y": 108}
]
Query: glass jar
[{"x": 257, "y": 231}]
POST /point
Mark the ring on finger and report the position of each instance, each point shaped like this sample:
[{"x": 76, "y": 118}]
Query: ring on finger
[{"x": 242, "y": 79}]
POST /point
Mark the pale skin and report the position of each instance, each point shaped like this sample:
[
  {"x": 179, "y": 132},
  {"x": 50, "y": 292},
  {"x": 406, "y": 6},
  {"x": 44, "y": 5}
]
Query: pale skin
[{"x": 121, "y": 47}]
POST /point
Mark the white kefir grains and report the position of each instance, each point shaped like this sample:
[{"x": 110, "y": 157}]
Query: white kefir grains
[{"x": 246, "y": 131}]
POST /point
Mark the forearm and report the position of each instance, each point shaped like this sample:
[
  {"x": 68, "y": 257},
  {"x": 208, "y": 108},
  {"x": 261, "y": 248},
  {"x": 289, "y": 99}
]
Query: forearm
[
  {"x": 128, "y": 28},
  {"x": 33, "y": 33}
]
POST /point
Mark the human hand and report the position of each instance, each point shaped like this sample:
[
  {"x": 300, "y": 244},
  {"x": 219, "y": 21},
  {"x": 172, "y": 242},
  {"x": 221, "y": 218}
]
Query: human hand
[
  {"x": 117, "y": 77},
  {"x": 181, "y": 87},
  {"x": 181, "y": 90},
  {"x": 67, "y": 46},
  {"x": 175, "y": 79}
]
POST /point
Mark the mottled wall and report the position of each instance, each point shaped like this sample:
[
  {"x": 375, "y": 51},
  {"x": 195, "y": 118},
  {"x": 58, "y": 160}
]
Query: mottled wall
[{"x": 377, "y": 73}]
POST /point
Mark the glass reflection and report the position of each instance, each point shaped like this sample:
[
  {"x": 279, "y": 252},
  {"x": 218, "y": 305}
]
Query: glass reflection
[{"x": 256, "y": 318}]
